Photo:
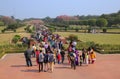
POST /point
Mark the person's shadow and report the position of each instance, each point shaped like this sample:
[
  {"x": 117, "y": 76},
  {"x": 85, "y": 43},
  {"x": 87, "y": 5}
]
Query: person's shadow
[
  {"x": 18, "y": 66},
  {"x": 62, "y": 67},
  {"x": 30, "y": 70},
  {"x": 27, "y": 70}
]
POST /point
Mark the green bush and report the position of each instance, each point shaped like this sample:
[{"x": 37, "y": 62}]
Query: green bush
[
  {"x": 109, "y": 51},
  {"x": 1, "y": 53},
  {"x": 76, "y": 29},
  {"x": 3, "y": 31},
  {"x": 109, "y": 47},
  {"x": 65, "y": 29},
  {"x": 16, "y": 38},
  {"x": 15, "y": 51},
  {"x": 104, "y": 30},
  {"x": 89, "y": 30},
  {"x": 52, "y": 30},
  {"x": 14, "y": 30},
  {"x": 30, "y": 30},
  {"x": 86, "y": 45},
  {"x": 73, "y": 37},
  {"x": 12, "y": 48}
]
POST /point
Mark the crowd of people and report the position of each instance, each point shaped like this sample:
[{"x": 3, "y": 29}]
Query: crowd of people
[
  {"x": 49, "y": 50},
  {"x": 77, "y": 57}
]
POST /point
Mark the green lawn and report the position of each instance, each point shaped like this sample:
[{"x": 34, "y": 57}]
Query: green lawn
[
  {"x": 6, "y": 38},
  {"x": 113, "y": 39},
  {"x": 113, "y": 30},
  {"x": 1, "y": 28},
  {"x": 21, "y": 29}
]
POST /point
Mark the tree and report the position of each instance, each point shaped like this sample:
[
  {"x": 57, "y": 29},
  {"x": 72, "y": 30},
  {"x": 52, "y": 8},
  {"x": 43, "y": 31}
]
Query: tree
[
  {"x": 12, "y": 26},
  {"x": 101, "y": 22},
  {"x": 47, "y": 19},
  {"x": 7, "y": 20},
  {"x": 92, "y": 22}
]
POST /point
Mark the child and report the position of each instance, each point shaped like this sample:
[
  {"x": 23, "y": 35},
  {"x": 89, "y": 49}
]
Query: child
[
  {"x": 93, "y": 56},
  {"x": 59, "y": 58},
  {"x": 37, "y": 56},
  {"x": 81, "y": 60}
]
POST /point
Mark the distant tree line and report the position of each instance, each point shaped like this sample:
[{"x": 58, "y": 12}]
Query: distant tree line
[
  {"x": 110, "y": 20},
  {"x": 64, "y": 21},
  {"x": 10, "y": 23}
]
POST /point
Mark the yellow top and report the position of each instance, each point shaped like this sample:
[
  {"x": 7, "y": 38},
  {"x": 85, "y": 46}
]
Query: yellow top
[{"x": 93, "y": 55}]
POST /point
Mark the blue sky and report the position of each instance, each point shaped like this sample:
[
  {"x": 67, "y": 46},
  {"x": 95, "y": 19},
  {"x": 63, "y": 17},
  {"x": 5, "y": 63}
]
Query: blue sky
[{"x": 41, "y": 8}]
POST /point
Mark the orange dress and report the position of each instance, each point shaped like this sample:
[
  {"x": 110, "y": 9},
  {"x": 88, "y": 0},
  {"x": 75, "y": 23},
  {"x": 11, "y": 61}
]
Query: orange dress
[{"x": 93, "y": 55}]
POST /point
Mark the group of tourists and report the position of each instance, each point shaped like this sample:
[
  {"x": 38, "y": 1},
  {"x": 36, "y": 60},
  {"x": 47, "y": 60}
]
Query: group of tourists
[
  {"x": 77, "y": 57},
  {"x": 49, "y": 50}
]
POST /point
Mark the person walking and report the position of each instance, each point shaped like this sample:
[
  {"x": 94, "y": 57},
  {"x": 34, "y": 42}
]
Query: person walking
[
  {"x": 37, "y": 56},
  {"x": 46, "y": 62},
  {"x": 83, "y": 55},
  {"x": 51, "y": 60},
  {"x": 93, "y": 56},
  {"x": 86, "y": 57},
  {"x": 33, "y": 50},
  {"x": 72, "y": 58},
  {"x": 27, "y": 55},
  {"x": 62, "y": 55},
  {"x": 77, "y": 56},
  {"x": 41, "y": 58},
  {"x": 58, "y": 58},
  {"x": 81, "y": 60}
]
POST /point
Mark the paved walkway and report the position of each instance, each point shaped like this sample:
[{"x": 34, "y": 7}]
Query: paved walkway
[{"x": 106, "y": 67}]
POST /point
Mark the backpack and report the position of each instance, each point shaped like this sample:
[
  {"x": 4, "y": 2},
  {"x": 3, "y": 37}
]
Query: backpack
[
  {"x": 41, "y": 57},
  {"x": 72, "y": 56},
  {"x": 50, "y": 58},
  {"x": 45, "y": 58}
]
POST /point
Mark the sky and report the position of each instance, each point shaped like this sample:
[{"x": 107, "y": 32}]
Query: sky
[{"x": 22, "y": 9}]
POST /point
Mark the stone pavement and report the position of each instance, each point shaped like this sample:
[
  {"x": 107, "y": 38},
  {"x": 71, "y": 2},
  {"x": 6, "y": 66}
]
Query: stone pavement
[{"x": 106, "y": 67}]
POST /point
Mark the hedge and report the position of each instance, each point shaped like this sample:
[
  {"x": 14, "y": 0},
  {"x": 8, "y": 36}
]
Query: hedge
[
  {"x": 109, "y": 51},
  {"x": 1, "y": 53},
  {"x": 17, "y": 48},
  {"x": 103, "y": 49}
]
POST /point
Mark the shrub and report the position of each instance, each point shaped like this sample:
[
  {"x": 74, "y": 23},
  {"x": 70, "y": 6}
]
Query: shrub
[
  {"x": 3, "y": 31},
  {"x": 16, "y": 38},
  {"x": 52, "y": 30},
  {"x": 109, "y": 51},
  {"x": 66, "y": 29},
  {"x": 25, "y": 29},
  {"x": 73, "y": 37},
  {"x": 76, "y": 29},
  {"x": 15, "y": 51},
  {"x": 1, "y": 53},
  {"x": 14, "y": 30},
  {"x": 86, "y": 45},
  {"x": 104, "y": 30},
  {"x": 30, "y": 30},
  {"x": 89, "y": 30}
]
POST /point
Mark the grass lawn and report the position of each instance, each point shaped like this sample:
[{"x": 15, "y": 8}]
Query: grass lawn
[
  {"x": 5, "y": 38},
  {"x": 113, "y": 30},
  {"x": 1, "y": 28},
  {"x": 113, "y": 39},
  {"x": 21, "y": 29}
]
